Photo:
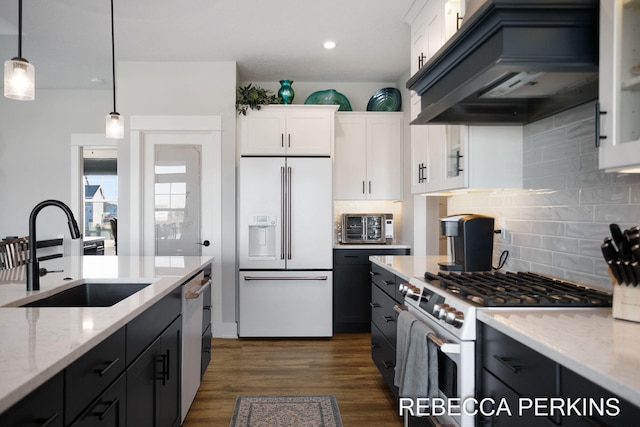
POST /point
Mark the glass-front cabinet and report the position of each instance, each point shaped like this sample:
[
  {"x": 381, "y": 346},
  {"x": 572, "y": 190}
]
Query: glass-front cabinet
[{"x": 619, "y": 86}]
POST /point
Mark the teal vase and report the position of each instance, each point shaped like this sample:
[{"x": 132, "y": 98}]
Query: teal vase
[{"x": 286, "y": 92}]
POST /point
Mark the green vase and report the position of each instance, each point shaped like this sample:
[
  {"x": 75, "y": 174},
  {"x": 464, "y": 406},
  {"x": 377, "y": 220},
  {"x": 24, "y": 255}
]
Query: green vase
[{"x": 286, "y": 92}]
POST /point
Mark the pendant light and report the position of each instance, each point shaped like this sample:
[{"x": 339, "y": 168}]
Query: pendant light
[
  {"x": 114, "y": 122},
  {"x": 19, "y": 75}
]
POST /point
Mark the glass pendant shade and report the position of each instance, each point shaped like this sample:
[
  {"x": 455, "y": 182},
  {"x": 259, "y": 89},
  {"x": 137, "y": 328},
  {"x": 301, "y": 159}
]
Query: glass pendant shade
[
  {"x": 19, "y": 79},
  {"x": 114, "y": 126}
]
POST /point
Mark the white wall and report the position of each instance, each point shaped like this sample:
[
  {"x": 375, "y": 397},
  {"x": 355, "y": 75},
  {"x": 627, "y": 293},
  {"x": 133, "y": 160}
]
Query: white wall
[
  {"x": 35, "y": 154},
  {"x": 199, "y": 88}
]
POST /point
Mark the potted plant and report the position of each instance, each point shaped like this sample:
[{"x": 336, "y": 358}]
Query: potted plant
[{"x": 254, "y": 97}]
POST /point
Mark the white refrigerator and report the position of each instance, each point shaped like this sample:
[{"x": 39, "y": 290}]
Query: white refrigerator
[{"x": 285, "y": 247}]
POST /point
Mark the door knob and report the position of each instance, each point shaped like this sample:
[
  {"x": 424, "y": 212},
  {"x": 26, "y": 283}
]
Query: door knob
[{"x": 205, "y": 243}]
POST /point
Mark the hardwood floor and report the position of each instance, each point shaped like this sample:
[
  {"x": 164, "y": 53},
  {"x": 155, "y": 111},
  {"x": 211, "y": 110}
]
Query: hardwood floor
[{"x": 341, "y": 365}]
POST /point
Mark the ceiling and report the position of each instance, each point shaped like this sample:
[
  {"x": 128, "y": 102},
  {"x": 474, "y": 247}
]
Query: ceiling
[{"x": 69, "y": 41}]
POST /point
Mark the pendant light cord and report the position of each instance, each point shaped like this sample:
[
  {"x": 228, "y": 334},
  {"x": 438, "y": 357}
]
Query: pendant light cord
[
  {"x": 20, "y": 29},
  {"x": 113, "y": 59}
]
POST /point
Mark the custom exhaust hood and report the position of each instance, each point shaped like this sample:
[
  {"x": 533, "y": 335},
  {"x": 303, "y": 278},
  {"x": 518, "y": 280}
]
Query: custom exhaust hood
[{"x": 512, "y": 62}]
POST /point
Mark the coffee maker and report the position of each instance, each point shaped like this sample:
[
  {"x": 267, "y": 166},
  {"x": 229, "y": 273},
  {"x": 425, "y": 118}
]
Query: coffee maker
[{"x": 469, "y": 242}]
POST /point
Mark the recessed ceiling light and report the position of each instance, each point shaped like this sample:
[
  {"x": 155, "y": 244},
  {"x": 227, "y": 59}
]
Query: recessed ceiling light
[
  {"x": 96, "y": 80},
  {"x": 329, "y": 44}
]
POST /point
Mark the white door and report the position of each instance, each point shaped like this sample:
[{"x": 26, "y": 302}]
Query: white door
[
  {"x": 310, "y": 219},
  {"x": 261, "y": 189},
  {"x": 177, "y": 200}
]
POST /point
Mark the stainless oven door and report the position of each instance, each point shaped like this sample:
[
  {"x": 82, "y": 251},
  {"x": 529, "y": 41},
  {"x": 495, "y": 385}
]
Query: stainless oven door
[{"x": 456, "y": 379}]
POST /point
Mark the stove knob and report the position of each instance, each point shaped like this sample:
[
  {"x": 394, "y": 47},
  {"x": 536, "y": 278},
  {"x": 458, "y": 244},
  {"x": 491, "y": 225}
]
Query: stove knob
[
  {"x": 444, "y": 309},
  {"x": 459, "y": 320},
  {"x": 402, "y": 288},
  {"x": 439, "y": 308},
  {"x": 455, "y": 318},
  {"x": 414, "y": 292}
]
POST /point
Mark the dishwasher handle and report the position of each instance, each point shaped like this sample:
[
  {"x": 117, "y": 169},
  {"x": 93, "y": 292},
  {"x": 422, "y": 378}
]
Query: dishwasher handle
[{"x": 196, "y": 294}]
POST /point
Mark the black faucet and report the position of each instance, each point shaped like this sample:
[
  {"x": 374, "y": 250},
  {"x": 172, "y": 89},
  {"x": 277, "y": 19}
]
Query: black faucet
[{"x": 33, "y": 267}]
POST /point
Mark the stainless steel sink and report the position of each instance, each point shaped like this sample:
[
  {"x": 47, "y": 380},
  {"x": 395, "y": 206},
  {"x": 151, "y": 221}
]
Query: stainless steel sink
[{"x": 89, "y": 295}]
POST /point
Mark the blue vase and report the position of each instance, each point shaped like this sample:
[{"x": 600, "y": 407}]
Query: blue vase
[{"x": 286, "y": 92}]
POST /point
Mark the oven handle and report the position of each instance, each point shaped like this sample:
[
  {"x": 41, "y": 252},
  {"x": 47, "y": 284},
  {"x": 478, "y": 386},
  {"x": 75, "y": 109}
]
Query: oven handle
[{"x": 443, "y": 346}]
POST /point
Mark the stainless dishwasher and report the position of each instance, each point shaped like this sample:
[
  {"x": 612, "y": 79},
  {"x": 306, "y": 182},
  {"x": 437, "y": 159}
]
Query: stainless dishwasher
[{"x": 192, "y": 306}]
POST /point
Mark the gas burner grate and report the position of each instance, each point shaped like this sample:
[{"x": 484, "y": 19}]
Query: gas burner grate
[{"x": 495, "y": 289}]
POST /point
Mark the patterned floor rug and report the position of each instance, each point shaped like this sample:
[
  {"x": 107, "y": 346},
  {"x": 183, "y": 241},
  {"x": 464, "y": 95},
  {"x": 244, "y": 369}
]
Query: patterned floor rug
[{"x": 286, "y": 411}]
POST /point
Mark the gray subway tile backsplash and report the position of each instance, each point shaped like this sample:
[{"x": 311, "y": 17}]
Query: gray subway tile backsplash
[{"x": 556, "y": 225}]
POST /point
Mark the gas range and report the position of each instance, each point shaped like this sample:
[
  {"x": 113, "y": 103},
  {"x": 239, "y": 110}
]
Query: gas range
[{"x": 452, "y": 298}]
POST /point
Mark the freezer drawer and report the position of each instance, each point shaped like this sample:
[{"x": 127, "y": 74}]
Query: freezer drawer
[{"x": 285, "y": 304}]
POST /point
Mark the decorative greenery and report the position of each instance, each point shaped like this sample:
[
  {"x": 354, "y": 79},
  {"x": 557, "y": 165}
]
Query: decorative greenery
[{"x": 254, "y": 97}]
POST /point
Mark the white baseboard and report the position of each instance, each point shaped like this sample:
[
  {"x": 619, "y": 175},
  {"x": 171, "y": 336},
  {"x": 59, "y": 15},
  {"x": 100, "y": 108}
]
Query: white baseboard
[{"x": 225, "y": 330}]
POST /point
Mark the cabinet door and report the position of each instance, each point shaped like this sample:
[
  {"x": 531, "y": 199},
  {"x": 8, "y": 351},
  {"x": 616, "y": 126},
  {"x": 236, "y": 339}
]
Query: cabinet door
[
  {"x": 436, "y": 158},
  {"x": 262, "y": 132},
  {"x": 619, "y": 86},
  {"x": 455, "y": 170},
  {"x": 169, "y": 389},
  {"x": 351, "y": 297},
  {"x": 384, "y": 158},
  {"x": 419, "y": 160},
  {"x": 350, "y": 164},
  {"x": 142, "y": 385},
  {"x": 308, "y": 133},
  {"x": 153, "y": 382}
]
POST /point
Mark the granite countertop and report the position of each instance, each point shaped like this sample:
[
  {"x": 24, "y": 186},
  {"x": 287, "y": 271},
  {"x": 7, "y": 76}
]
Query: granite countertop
[
  {"x": 588, "y": 341},
  {"x": 369, "y": 246},
  {"x": 407, "y": 266},
  {"x": 37, "y": 343}
]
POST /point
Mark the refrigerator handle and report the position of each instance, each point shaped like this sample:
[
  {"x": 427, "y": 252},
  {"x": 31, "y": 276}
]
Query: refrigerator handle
[
  {"x": 282, "y": 210},
  {"x": 289, "y": 198}
]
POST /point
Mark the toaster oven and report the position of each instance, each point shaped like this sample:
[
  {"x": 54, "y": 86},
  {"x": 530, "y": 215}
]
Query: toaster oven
[{"x": 367, "y": 228}]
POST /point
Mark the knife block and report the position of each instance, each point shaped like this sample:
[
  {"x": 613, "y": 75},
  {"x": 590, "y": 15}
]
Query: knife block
[{"x": 626, "y": 302}]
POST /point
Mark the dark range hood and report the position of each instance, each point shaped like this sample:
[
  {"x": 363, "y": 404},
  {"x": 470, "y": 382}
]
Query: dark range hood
[{"x": 512, "y": 62}]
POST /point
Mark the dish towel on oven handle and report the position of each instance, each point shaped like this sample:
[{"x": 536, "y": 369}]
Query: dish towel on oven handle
[{"x": 416, "y": 373}]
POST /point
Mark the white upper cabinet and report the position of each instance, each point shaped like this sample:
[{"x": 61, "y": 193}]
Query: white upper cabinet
[
  {"x": 432, "y": 23},
  {"x": 619, "y": 85},
  {"x": 368, "y": 156},
  {"x": 291, "y": 130},
  {"x": 450, "y": 158}
]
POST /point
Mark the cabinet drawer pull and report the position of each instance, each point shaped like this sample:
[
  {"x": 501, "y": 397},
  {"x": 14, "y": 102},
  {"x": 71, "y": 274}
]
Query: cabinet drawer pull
[
  {"x": 374, "y": 345},
  {"x": 102, "y": 372},
  {"x": 374, "y": 305},
  {"x": 50, "y": 420},
  {"x": 109, "y": 408},
  {"x": 389, "y": 282},
  {"x": 505, "y": 362},
  {"x": 163, "y": 374},
  {"x": 388, "y": 365},
  {"x": 351, "y": 256},
  {"x": 389, "y": 319},
  {"x": 599, "y": 113},
  {"x": 373, "y": 273},
  {"x": 282, "y": 140}
]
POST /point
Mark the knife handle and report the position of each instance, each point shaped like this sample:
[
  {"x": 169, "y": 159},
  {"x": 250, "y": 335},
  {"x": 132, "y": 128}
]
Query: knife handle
[
  {"x": 635, "y": 268},
  {"x": 623, "y": 272},
  {"x": 635, "y": 251},
  {"x": 614, "y": 270}
]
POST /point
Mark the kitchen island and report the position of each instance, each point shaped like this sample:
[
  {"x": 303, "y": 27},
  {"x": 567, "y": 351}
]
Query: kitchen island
[
  {"x": 38, "y": 343},
  {"x": 587, "y": 341}
]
